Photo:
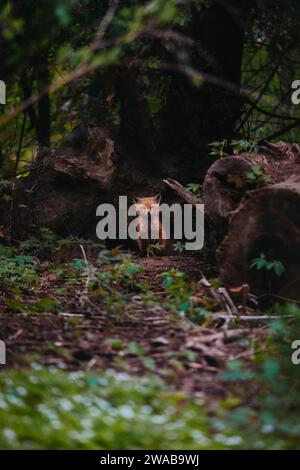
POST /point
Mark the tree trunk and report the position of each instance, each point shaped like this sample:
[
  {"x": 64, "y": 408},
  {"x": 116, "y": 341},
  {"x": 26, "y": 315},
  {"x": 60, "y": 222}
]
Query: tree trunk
[
  {"x": 136, "y": 127},
  {"x": 43, "y": 81},
  {"x": 26, "y": 84},
  {"x": 196, "y": 115}
]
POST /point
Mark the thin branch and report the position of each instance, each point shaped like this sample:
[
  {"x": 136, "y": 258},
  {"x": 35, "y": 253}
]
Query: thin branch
[
  {"x": 264, "y": 88},
  {"x": 88, "y": 271},
  {"x": 269, "y": 113},
  {"x": 87, "y": 68},
  {"x": 78, "y": 73},
  {"x": 107, "y": 19}
]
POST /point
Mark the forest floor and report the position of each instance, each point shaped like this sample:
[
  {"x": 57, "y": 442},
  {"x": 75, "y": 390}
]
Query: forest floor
[{"x": 141, "y": 316}]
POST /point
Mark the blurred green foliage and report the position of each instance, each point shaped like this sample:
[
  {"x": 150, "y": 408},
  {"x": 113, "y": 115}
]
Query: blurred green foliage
[
  {"x": 52, "y": 409},
  {"x": 267, "y": 417}
]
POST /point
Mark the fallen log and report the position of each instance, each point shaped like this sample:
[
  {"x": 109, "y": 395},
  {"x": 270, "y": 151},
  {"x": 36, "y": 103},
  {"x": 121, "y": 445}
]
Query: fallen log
[
  {"x": 254, "y": 201},
  {"x": 230, "y": 178},
  {"x": 62, "y": 189},
  {"x": 225, "y": 185},
  {"x": 266, "y": 224}
]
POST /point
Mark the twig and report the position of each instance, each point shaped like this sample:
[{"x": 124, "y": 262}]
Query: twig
[
  {"x": 251, "y": 317},
  {"x": 71, "y": 315},
  {"x": 88, "y": 279},
  {"x": 230, "y": 306},
  {"x": 279, "y": 297},
  {"x": 107, "y": 19},
  {"x": 213, "y": 292}
]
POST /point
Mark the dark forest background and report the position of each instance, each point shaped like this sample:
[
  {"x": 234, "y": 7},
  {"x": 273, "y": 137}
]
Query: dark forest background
[{"x": 170, "y": 77}]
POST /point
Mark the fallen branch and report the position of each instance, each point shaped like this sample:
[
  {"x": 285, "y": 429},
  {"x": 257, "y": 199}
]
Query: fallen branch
[
  {"x": 221, "y": 296},
  {"x": 184, "y": 193}
]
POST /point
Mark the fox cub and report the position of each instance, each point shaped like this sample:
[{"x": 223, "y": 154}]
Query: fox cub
[{"x": 149, "y": 246}]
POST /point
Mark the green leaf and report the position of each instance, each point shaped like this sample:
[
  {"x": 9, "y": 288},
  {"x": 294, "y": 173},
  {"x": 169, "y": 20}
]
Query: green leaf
[
  {"x": 79, "y": 263},
  {"x": 271, "y": 369},
  {"x": 63, "y": 14},
  {"x": 115, "y": 343},
  {"x": 279, "y": 268}
]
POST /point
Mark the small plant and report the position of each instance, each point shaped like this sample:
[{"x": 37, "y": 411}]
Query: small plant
[
  {"x": 177, "y": 289},
  {"x": 218, "y": 149},
  {"x": 196, "y": 189},
  {"x": 153, "y": 249},
  {"x": 256, "y": 174},
  {"x": 16, "y": 270},
  {"x": 47, "y": 241},
  {"x": 262, "y": 263},
  {"x": 244, "y": 145},
  {"x": 179, "y": 247}
]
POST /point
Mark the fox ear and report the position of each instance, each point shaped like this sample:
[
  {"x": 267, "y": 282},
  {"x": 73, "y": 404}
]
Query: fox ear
[
  {"x": 136, "y": 200},
  {"x": 157, "y": 198}
]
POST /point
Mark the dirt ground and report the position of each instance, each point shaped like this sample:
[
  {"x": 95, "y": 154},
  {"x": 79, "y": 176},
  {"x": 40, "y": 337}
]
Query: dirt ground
[{"x": 187, "y": 356}]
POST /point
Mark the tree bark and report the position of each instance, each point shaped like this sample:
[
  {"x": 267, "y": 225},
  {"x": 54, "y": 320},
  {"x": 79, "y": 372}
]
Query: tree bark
[
  {"x": 226, "y": 184},
  {"x": 26, "y": 84}
]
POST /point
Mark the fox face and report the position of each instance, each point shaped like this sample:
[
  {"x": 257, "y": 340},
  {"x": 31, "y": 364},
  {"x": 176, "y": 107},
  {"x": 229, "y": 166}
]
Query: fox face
[
  {"x": 144, "y": 207},
  {"x": 147, "y": 202}
]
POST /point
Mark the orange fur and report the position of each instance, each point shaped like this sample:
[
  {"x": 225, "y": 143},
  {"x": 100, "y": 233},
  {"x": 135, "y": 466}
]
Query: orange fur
[{"x": 148, "y": 203}]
